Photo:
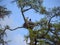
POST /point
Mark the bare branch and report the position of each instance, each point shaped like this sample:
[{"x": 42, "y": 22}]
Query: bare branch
[
  {"x": 27, "y": 9},
  {"x": 15, "y": 28},
  {"x": 22, "y": 14}
]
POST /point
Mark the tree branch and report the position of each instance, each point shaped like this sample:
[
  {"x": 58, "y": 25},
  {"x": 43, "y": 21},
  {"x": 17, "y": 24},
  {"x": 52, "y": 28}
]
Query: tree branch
[
  {"x": 10, "y": 29},
  {"x": 49, "y": 25},
  {"x": 27, "y": 9},
  {"x": 55, "y": 34},
  {"x": 15, "y": 28},
  {"x": 3, "y": 31},
  {"x": 22, "y": 14}
]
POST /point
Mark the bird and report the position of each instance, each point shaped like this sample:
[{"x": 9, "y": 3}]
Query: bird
[{"x": 29, "y": 24}]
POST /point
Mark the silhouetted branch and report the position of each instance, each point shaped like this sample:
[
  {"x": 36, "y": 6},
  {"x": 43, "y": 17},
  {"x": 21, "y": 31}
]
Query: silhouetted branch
[
  {"x": 55, "y": 34},
  {"x": 3, "y": 31},
  {"x": 49, "y": 25},
  {"x": 15, "y": 28},
  {"x": 22, "y": 13},
  {"x": 27, "y": 9},
  {"x": 10, "y": 29}
]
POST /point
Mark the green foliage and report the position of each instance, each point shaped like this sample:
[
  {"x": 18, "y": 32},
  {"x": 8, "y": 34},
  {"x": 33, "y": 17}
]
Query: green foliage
[
  {"x": 4, "y": 12},
  {"x": 3, "y": 35},
  {"x": 46, "y": 27},
  {"x": 56, "y": 11},
  {"x": 47, "y": 33},
  {"x": 33, "y": 4},
  {"x": 43, "y": 10}
]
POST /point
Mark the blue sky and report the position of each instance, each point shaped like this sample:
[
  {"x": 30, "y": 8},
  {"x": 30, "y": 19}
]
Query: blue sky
[{"x": 16, "y": 20}]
